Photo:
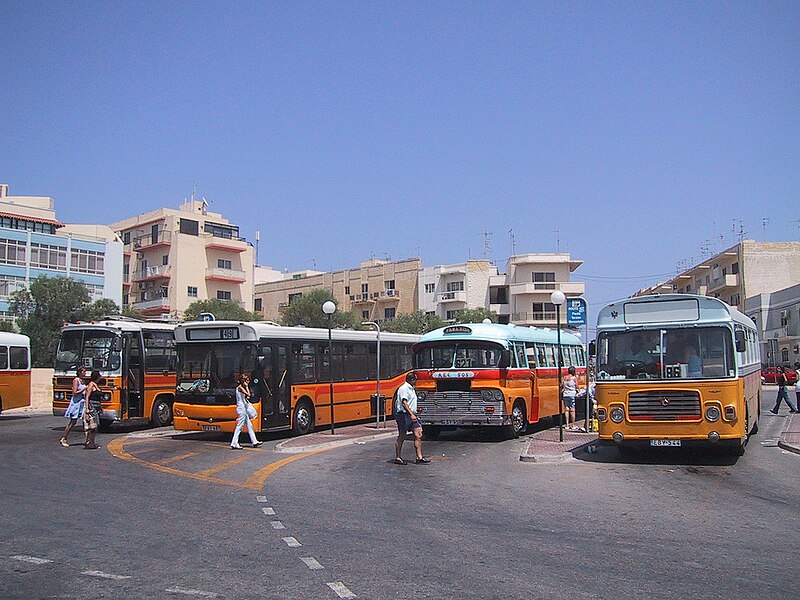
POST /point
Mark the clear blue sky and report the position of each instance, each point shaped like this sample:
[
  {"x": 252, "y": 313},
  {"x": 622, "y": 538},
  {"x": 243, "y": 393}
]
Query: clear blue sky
[{"x": 344, "y": 130}]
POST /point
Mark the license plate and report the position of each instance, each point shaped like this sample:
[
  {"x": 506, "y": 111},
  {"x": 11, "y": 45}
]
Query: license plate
[
  {"x": 665, "y": 442},
  {"x": 450, "y": 422},
  {"x": 212, "y": 428}
]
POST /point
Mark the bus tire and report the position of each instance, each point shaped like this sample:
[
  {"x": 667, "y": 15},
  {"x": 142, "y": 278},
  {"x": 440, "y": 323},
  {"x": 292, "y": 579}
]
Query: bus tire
[
  {"x": 303, "y": 418},
  {"x": 519, "y": 420},
  {"x": 431, "y": 432},
  {"x": 161, "y": 415}
]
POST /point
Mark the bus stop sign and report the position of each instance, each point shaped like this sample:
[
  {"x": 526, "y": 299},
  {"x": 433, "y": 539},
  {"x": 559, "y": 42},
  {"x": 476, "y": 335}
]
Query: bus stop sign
[{"x": 576, "y": 311}]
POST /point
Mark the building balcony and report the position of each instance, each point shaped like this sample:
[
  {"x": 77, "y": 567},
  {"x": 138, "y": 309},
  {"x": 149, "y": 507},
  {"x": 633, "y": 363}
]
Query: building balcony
[
  {"x": 225, "y": 244},
  {"x": 363, "y": 298},
  {"x": 230, "y": 275},
  {"x": 546, "y": 288},
  {"x": 726, "y": 281},
  {"x": 501, "y": 309},
  {"x": 456, "y": 296},
  {"x": 158, "y": 305},
  {"x": 386, "y": 295},
  {"x": 537, "y": 319},
  {"x": 151, "y": 273},
  {"x": 149, "y": 241}
]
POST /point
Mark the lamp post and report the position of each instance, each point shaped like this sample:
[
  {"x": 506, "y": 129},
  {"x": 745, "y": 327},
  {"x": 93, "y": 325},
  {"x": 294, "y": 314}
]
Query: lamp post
[
  {"x": 329, "y": 308},
  {"x": 377, "y": 379},
  {"x": 558, "y": 298}
]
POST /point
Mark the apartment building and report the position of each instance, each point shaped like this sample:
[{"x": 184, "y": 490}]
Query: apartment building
[
  {"x": 376, "y": 291},
  {"x": 33, "y": 242},
  {"x": 747, "y": 269},
  {"x": 173, "y": 258},
  {"x": 446, "y": 289},
  {"x": 522, "y": 294},
  {"x": 777, "y": 317}
]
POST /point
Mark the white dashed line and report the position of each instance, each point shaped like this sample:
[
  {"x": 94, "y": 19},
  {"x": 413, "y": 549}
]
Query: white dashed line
[
  {"x": 268, "y": 510},
  {"x": 341, "y": 590},
  {"x": 261, "y": 498},
  {"x": 291, "y": 542},
  {"x": 31, "y": 559},
  {"x": 105, "y": 575},
  {"x": 312, "y": 563},
  {"x": 277, "y": 525},
  {"x": 188, "y": 592}
]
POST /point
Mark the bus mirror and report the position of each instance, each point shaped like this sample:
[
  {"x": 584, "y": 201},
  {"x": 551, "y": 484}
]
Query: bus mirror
[
  {"x": 118, "y": 344},
  {"x": 505, "y": 359},
  {"x": 740, "y": 344},
  {"x": 593, "y": 348}
]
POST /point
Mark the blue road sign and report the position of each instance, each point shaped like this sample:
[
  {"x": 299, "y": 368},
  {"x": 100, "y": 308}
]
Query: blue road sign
[{"x": 576, "y": 311}]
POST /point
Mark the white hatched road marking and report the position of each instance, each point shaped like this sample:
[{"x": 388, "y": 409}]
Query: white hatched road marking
[
  {"x": 105, "y": 575},
  {"x": 312, "y": 563},
  {"x": 31, "y": 559},
  {"x": 341, "y": 590},
  {"x": 268, "y": 510},
  {"x": 291, "y": 542},
  {"x": 190, "y": 592},
  {"x": 277, "y": 525},
  {"x": 261, "y": 498}
]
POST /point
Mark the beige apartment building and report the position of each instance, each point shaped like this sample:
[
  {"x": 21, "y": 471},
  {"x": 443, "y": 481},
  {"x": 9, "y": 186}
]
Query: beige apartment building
[
  {"x": 376, "y": 291},
  {"x": 747, "y": 269},
  {"x": 173, "y": 258},
  {"x": 446, "y": 289}
]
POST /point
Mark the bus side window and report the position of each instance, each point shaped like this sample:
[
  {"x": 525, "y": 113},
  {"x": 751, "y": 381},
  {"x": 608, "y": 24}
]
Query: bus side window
[
  {"x": 519, "y": 350},
  {"x": 3, "y": 357},
  {"x": 19, "y": 358}
]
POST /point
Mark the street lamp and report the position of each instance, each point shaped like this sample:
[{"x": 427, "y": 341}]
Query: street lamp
[
  {"x": 378, "y": 402},
  {"x": 329, "y": 308},
  {"x": 558, "y": 299}
]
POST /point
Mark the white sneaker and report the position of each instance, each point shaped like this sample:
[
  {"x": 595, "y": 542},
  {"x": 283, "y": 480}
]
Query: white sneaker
[{"x": 236, "y": 447}]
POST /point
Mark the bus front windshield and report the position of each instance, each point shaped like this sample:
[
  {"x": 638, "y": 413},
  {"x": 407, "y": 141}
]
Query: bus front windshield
[
  {"x": 213, "y": 368},
  {"x": 458, "y": 355},
  {"x": 93, "y": 349},
  {"x": 678, "y": 353}
]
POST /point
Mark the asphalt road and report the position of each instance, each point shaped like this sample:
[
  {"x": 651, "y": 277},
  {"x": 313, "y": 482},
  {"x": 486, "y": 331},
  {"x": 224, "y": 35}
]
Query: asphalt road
[{"x": 154, "y": 516}]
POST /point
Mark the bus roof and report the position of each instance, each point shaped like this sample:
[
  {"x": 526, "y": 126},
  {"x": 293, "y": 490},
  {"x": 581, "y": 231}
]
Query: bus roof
[
  {"x": 254, "y": 330},
  {"x": 669, "y": 309},
  {"x": 120, "y": 326},
  {"x": 499, "y": 333},
  {"x": 14, "y": 339}
]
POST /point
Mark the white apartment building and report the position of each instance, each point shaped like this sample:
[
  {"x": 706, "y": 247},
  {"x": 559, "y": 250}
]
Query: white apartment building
[
  {"x": 446, "y": 289},
  {"x": 777, "y": 318},
  {"x": 173, "y": 258}
]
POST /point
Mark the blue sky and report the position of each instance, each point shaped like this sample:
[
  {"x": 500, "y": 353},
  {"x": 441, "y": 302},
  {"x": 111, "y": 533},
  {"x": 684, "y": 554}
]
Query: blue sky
[{"x": 626, "y": 133}]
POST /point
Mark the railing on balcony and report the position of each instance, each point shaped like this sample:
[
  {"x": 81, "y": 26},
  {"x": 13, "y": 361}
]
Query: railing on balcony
[
  {"x": 529, "y": 287},
  {"x": 226, "y": 274},
  {"x": 535, "y": 317},
  {"x": 223, "y": 242},
  {"x": 159, "y": 272},
  {"x": 160, "y": 303},
  {"x": 455, "y": 296},
  {"x": 359, "y": 298},
  {"x": 162, "y": 238},
  {"x": 723, "y": 282}
]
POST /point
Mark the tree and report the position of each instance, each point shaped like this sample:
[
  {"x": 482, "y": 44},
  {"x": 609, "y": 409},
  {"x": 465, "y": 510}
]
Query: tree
[
  {"x": 307, "y": 310},
  {"x": 475, "y": 315},
  {"x": 417, "y": 322},
  {"x": 97, "y": 309},
  {"x": 224, "y": 310},
  {"x": 43, "y": 308}
]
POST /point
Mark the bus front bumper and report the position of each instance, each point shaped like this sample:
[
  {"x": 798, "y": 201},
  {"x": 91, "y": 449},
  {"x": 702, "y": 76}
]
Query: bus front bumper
[{"x": 481, "y": 420}]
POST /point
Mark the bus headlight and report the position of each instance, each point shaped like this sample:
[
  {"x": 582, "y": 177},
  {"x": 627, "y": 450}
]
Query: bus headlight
[
  {"x": 712, "y": 414},
  {"x": 617, "y": 414},
  {"x": 58, "y": 395},
  {"x": 498, "y": 395},
  {"x": 486, "y": 395},
  {"x": 421, "y": 395}
]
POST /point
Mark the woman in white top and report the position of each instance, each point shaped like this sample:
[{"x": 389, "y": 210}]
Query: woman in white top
[
  {"x": 242, "y": 400},
  {"x": 76, "y": 404},
  {"x": 569, "y": 386}
]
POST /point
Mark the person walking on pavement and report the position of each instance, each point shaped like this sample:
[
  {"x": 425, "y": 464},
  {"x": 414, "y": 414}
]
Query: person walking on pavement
[
  {"x": 242, "y": 401},
  {"x": 782, "y": 393},
  {"x": 405, "y": 413},
  {"x": 569, "y": 389},
  {"x": 92, "y": 410},
  {"x": 797, "y": 385},
  {"x": 76, "y": 404}
]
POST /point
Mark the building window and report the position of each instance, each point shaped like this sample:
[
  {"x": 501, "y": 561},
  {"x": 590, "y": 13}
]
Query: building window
[
  {"x": 735, "y": 268},
  {"x": 222, "y": 231},
  {"x": 735, "y": 300},
  {"x": 26, "y": 225},
  {"x": 224, "y": 263},
  {"x": 389, "y": 313},
  {"x": 544, "y": 311},
  {"x": 189, "y": 227},
  {"x": 293, "y": 297},
  {"x": 544, "y": 281},
  {"x": 455, "y": 286},
  {"x": 347, "y": 290},
  {"x": 430, "y": 288},
  {"x": 388, "y": 285},
  {"x": 224, "y": 295},
  {"x": 365, "y": 314},
  {"x": 49, "y": 257},
  {"x": 10, "y": 284},
  {"x": 191, "y": 291},
  {"x": 87, "y": 261},
  {"x": 257, "y": 305},
  {"x": 165, "y": 260},
  {"x": 126, "y": 237},
  {"x": 364, "y": 288},
  {"x": 450, "y": 315}
]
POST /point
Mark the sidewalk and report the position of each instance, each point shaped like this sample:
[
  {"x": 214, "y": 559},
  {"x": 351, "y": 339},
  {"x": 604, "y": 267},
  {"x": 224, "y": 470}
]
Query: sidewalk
[
  {"x": 790, "y": 436},
  {"x": 544, "y": 446},
  {"x": 343, "y": 436}
]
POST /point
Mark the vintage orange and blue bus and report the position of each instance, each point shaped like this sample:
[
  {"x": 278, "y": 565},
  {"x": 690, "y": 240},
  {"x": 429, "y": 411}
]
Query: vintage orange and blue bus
[
  {"x": 290, "y": 376},
  {"x": 15, "y": 370},
  {"x": 675, "y": 370},
  {"x": 491, "y": 375},
  {"x": 136, "y": 360}
]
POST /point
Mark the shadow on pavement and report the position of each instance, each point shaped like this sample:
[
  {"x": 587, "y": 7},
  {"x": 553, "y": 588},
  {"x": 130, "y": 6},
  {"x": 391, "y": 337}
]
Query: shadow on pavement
[{"x": 610, "y": 454}]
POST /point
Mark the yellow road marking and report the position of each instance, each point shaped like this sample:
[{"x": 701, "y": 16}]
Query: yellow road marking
[
  {"x": 222, "y": 466},
  {"x": 255, "y": 482},
  {"x": 179, "y": 457}
]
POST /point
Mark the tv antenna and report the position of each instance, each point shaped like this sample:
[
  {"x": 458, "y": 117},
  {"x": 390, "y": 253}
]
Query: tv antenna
[
  {"x": 764, "y": 222},
  {"x": 513, "y": 246},
  {"x": 487, "y": 244}
]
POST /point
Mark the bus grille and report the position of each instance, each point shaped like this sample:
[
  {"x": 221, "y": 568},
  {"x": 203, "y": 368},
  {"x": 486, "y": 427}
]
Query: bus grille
[
  {"x": 668, "y": 405},
  {"x": 452, "y": 403}
]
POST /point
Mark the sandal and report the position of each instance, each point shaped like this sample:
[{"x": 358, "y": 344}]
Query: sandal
[
  {"x": 399, "y": 461},
  {"x": 423, "y": 461},
  {"x": 64, "y": 443}
]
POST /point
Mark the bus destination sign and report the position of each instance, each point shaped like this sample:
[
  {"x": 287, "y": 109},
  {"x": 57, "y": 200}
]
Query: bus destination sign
[
  {"x": 457, "y": 329},
  {"x": 213, "y": 333}
]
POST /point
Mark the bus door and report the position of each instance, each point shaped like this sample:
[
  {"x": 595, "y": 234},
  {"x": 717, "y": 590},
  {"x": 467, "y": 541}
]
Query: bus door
[
  {"x": 273, "y": 388},
  {"x": 132, "y": 377}
]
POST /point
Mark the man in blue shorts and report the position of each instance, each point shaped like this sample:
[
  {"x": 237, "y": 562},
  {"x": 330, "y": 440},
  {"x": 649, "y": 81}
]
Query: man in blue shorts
[{"x": 405, "y": 413}]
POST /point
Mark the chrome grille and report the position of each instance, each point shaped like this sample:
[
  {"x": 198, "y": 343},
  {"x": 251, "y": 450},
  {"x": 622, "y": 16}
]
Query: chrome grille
[
  {"x": 666, "y": 405},
  {"x": 444, "y": 404}
]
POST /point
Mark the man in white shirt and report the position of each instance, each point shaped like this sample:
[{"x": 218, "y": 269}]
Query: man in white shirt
[{"x": 405, "y": 413}]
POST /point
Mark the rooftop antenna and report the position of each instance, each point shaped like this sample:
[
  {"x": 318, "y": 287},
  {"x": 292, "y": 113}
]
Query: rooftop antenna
[
  {"x": 487, "y": 245},
  {"x": 513, "y": 246},
  {"x": 798, "y": 226},
  {"x": 194, "y": 190},
  {"x": 706, "y": 249},
  {"x": 258, "y": 239},
  {"x": 764, "y": 222},
  {"x": 558, "y": 240}
]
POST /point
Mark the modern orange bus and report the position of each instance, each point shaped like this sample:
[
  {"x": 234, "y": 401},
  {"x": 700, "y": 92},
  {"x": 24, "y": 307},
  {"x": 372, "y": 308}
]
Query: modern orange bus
[
  {"x": 290, "y": 376},
  {"x": 136, "y": 360},
  {"x": 491, "y": 375},
  {"x": 15, "y": 370},
  {"x": 677, "y": 370}
]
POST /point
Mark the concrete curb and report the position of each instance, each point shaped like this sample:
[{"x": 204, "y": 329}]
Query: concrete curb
[
  {"x": 564, "y": 456},
  {"x": 282, "y": 446}
]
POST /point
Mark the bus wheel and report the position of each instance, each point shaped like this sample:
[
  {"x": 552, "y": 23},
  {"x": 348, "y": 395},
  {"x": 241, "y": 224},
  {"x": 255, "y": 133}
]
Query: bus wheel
[
  {"x": 431, "y": 432},
  {"x": 303, "y": 421},
  {"x": 162, "y": 412},
  {"x": 519, "y": 420}
]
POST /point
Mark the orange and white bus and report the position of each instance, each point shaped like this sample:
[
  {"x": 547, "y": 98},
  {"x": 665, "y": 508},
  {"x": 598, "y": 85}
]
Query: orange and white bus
[
  {"x": 676, "y": 370},
  {"x": 136, "y": 360},
  {"x": 15, "y": 370},
  {"x": 290, "y": 377},
  {"x": 491, "y": 375}
]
